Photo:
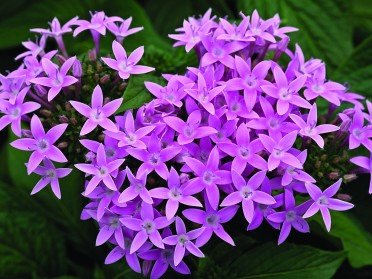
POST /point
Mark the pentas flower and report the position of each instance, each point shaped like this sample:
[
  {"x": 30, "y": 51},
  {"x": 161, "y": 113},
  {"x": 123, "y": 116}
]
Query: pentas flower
[
  {"x": 271, "y": 121},
  {"x": 208, "y": 176},
  {"x": 247, "y": 193},
  {"x": 249, "y": 81},
  {"x": 291, "y": 217},
  {"x": 258, "y": 27},
  {"x": 318, "y": 87},
  {"x": 323, "y": 201},
  {"x": 110, "y": 227},
  {"x": 137, "y": 187},
  {"x": 121, "y": 30},
  {"x": 98, "y": 114},
  {"x": 57, "y": 79},
  {"x": 183, "y": 242},
  {"x": 11, "y": 87},
  {"x": 13, "y": 112},
  {"x": 236, "y": 107},
  {"x": 235, "y": 32},
  {"x": 359, "y": 134},
  {"x": 244, "y": 151},
  {"x": 309, "y": 128},
  {"x": 205, "y": 95},
  {"x": 191, "y": 129},
  {"x": 50, "y": 176},
  {"x": 101, "y": 171},
  {"x": 212, "y": 221},
  {"x": 175, "y": 194},
  {"x": 126, "y": 66},
  {"x": 279, "y": 150},
  {"x": 147, "y": 227},
  {"x": 34, "y": 49},
  {"x": 224, "y": 130},
  {"x": 41, "y": 144},
  {"x": 112, "y": 150},
  {"x": 128, "y": 134},
  {"x": 366, "y": 164},
  {"x": 286, "y": 92},
  {"x": 154, "y": 157}
]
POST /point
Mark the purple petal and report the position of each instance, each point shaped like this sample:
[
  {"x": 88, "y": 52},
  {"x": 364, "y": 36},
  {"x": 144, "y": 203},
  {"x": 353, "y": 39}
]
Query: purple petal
[
  {"x": 104, "y": 234},
  {"x": 339, "y": 205},
  {"x": 156, "y": 239},
  {"x": 221, "y": 233},
  {"x": 284, "y": 232},
  {"x": 326, "y": 217},
  {"x": 138, "y": 241}
]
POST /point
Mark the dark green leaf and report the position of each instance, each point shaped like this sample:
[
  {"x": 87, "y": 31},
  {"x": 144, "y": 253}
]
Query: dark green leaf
[
  {"x": 356, "y": 241},
  {"x": 287, "y": 261},
  {"x": 136, "y": 94},
  {"x": 324, "y": 28}
]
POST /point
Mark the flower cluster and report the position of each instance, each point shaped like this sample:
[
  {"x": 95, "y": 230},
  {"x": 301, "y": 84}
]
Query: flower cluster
[
  {"x": 238, "y": 136},
  {"x": 50, "y": 91}
]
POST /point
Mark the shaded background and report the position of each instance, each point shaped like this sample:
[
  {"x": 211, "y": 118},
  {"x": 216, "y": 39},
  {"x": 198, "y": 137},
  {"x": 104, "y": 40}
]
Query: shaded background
[{"x": 41, "y": 237}]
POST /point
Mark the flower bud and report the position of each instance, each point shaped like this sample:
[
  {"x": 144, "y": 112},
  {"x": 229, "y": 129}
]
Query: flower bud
[
  {"x": 101, "y": 137},
  {"x": 26, "y": 134},
  {"x": 73, "y": 121},
  {"x": 62, "y": 145},
  {"x": 104, "y": 79},
  {"x": 61, "y": 59},
  {"x": 350, "y": 177},
  {"x": 333, "y": 175},
  {"x": 344, "y": 197},
  {"x": 92, "y": 55},
  {"x": 45, "y": 112},
  {"x": 90, "y": 156},
  {"x": 146, "y": 267},
  {"x": 40, "y": 90},
  {"x": 99, "y": 67},
  {"x": 77, "y": 70},
  {"x": 122, "y": 86},
  {"x": 184, "y": 177},
  {"x": 106, "y": 100},
  {"x": 68, "y": 106},
  {"x": 63, "y": 119}
]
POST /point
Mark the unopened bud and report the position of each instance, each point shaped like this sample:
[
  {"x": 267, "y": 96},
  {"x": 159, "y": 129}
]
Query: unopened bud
[
  {"x": 323, "y": 157},
  {"x": 26, "y": 134},
  {"x": 96, "y": 78},
  {"x": 104, "y": 79},
  {"x": 62, "y": 145},
  {"x": 45, "y": 112},
  {"x": 99, "y": 67},
  {"x": 90, "y": 70},
  {"x": 151, "y": 181},
  {"x": 122, "y": 86},
  {"x": 90, "y": 156},
  {"x": 146, "y": 267},
  {"x": 68, "y": 106},
  {"x": 350, "y": 177},
  {"x": 317, "y": 164},
  {"x": 344, "y": 197},
  {"x": 320, "y": 174},
  {"x": 73, "y": 121},
  {"x": 61, "y": 59},
  {"x": 106, "y": 100},
  {"x": 101, "y": 137},
  {"x": 40, "y": 90},
  {"x": 184, "y": 177},
  {"x": 333, "y": 175},
  {"x": 63, "y": 119},
  {"x": 92, "y": 55},
  {"x": 77, "y": 70}
]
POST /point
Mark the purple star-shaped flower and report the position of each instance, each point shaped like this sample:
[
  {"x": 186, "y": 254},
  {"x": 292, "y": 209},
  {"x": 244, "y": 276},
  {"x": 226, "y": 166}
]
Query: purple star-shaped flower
[
  {"x": 258, "y": 28},
  {"x": 110, "y": 226},
  {"x": 41, "y": 144},
  {"x": 34, "y": 49},
  {"x": 211, "y": 221},
  {"x": 137, "y": 187},
  {"x": 323, "y": 201},
  {"x": 126, "y": 66},
  {"x": 98, "y": 114},
  {"x": 235, "y": 33},
  {"x": 309, "y": 128},
  {"x": 122, "y": 30},
  {"x": 247, "y": 193},
  {"x": 204, "y": 95},
  {"x": 183, "y": 242},
  {"x": 101, "y": 171},
  {"x": 175, "y": 194},
  {"x": 359, "y": 134},
  {"x": 57, "y": 79},
  {"x": 50, "y": 176},
  {"x": 291, "y": 217},
  {"x": 250, "y": 80},
  {"x": 191, "y": 129},
  {"x": 129, "y": 135},
  {"x": 244, "y": 151},
  {"x": 154, "y": 157},
  {"x": 147, "y": 227},
  {"x": 278, "y": 150},
  {"x": 13, "y": 112},
  {"x": 208, "y": 176},
  {"x": 286, "y": 93}
]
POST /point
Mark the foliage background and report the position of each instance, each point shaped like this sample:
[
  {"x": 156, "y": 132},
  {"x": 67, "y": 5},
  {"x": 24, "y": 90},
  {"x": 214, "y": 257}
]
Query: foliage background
[{"x": 41, "y": 237}]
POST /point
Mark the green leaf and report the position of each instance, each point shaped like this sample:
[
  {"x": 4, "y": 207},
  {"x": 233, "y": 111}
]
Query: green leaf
[
  {"x": 324, "y": 32},
  {"x": 136, "y": 94},
  {"x": 287, "y": 261},
  {"x": 357, "y": 69},
  {"x": 356, "y": 241}
]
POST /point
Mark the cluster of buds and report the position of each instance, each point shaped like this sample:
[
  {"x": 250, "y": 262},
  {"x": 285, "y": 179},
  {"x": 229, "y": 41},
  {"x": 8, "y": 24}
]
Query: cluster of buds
[{"x": 238, "y": 134}]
